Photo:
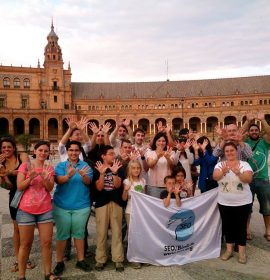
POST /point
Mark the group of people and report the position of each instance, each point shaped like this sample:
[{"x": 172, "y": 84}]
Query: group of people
[{"x": 103, "y": 170}]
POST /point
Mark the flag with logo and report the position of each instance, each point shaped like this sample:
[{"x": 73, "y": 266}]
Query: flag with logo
[{"x": 174, "y": 235}]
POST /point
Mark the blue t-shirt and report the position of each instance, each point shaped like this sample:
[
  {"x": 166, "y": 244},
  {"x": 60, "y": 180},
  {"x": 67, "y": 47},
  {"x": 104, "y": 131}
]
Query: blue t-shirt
[{"x": 74, "y": 194}]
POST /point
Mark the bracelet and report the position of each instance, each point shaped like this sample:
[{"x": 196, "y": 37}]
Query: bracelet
[
  {"x": 142, "y": 157},
  {"x": 115, "y": 174}
]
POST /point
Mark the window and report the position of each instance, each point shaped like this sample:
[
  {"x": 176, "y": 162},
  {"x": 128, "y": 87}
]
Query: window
[
  {"x": 6, "y": 83},
  {"x": 26, "y": 83},
  {"x": 2, "y": 102},
  {"x": 55, "y": 86},
  {"x": 24, "y": 103},
  {"x": 55, "y": 99},
  {"x": 16, "y": 83},
  {"x": 242, "y": 103}
]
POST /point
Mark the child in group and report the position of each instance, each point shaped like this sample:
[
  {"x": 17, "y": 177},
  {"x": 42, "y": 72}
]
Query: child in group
[
  {"x": 172, "y": 191},
  {"x": 186, "y": 187},
  {"x": 134, "y": 182}
]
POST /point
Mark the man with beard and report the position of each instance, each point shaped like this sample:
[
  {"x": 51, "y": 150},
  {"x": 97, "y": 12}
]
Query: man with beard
[{"x": 259, "y": 162}]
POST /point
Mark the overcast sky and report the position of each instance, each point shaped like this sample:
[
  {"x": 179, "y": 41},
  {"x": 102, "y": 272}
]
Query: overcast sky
[{"x": 131, "y": 40}]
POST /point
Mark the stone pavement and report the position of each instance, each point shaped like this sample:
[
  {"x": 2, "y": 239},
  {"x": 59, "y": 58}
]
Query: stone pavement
[{"x": 258, "y": 266}]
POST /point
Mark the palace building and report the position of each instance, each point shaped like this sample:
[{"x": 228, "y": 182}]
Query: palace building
[{"x": 36, "y": 101}]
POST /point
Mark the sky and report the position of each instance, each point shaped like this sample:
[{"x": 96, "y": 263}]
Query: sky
[{"x": 141, "y": 40}]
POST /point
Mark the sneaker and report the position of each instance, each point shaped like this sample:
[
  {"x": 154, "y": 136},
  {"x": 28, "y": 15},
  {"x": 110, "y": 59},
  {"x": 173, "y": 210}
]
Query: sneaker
[
  {"x": 99, "y": 266},
  {"x": 119, "y": 266},
  {"x": 83, "y": 265},
  {"x": 59, "y": 268},
  {"x": 136, "y": 265}
]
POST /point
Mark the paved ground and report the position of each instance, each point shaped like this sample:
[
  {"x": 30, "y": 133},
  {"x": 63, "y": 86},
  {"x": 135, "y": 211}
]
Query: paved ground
[{"x": 258, "y": 266}]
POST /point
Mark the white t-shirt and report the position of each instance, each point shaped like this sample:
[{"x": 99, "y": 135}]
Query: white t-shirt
[
  {"x": 138, "y": 186},
  {"x": 231, "y": 191},
  {"x": 63, "y": 152},
  {"x": 157, "y": 173}
]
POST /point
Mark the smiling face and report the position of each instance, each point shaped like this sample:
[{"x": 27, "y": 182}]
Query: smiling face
[
  {"x": 254, "y": 133},
  {"x": 42, "y": 152},
  {"x": 161, "y": 143},
  {"x": 138, "y": 138},
  {"x": 122, "y": 132},
  {"x": 109, "y": 157},
  {"x": 73, "y": 152},
  {"x": 230, "y": 152},
  {"x": 76, "y": 135},
  {"x": 100, "y": 138},
  {"x": 170, "y": 184},
  {"x": 126, "y": 148},
  {"x": 7, "y": 149},
  {"x": 180, "y": 177},
  {"x": 135, "y": 170},
  {"x": 231, "y": 131}
]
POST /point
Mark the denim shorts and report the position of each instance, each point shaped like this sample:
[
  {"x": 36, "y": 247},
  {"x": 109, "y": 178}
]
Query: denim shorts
[
  {"x": 70, "y": 223},
  {"x": 261, "y": 187},
  {"x": 23, "y": 218}
]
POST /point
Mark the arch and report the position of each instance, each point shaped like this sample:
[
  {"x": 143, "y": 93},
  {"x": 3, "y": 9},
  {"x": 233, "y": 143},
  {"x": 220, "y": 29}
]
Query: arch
[
  {"x": 4, "y": 124},
  {"x": 145, "y": 125},
  {"x": 64, "y": 126},
  {"x": 6, "y": 82},
  {"x": 113, "y": 124},
  {"x": 89, "y": 131},
  {"x": 211, "y": 122},
  {"x": 26, "y": 83},
  {"x": 52, "y": 129},
  {"x": 177, "y": 124},
  {"x": 267, "y": 118},
  {"x": 16, "y": 83},
  {"x": 34, "y": 128},
  {"x": 164, "y": 122},
  {"x": 230, "y": 120},
  {"x": 195, "y": 124},
  {"x": 18, "y": 125}
]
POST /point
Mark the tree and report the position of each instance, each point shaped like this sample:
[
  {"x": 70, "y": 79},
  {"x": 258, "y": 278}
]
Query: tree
[{"x": 24, "y": 139}]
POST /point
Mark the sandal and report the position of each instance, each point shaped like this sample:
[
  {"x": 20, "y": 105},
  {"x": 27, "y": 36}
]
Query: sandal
[
  {"x": 30, "y": 265},
  {"x": 51, "y": 276},
  {"x": 14, "y": 267},
  {"x": 267, "y": 237}
]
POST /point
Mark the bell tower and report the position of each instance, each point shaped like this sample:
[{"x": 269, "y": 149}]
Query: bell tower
[{"x": 56, "y": 81}]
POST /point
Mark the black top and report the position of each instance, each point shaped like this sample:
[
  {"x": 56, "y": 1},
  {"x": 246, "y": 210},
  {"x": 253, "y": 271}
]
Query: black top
[
  {"x": 109, "y": 192},
  {"x": 164, "y": 194}
]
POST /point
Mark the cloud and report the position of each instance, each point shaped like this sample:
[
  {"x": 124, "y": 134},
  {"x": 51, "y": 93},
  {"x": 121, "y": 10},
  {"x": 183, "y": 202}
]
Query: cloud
[{"x": 130, "y": 40}]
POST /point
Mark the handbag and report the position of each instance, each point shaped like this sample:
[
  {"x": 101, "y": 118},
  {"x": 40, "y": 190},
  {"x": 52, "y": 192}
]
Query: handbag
[{"x": 16, "y": 199}]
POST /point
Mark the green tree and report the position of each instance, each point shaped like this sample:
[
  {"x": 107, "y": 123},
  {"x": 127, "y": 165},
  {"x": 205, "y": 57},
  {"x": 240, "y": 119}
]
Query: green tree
[{"x": 24, "y": 139}]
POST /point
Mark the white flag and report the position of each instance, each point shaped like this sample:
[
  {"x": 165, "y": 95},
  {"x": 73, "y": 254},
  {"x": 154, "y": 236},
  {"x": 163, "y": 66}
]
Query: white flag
[{"x": 174, "y": 235}]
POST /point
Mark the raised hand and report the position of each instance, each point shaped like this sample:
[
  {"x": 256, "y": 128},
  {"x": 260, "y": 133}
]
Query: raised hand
[
  {"x": 100, "y": 167},
  {"x": 203, "y": 145},
  {"x": 106, "y": 127},
  {"x": 82, "y": 123},
  {"x": 160, "y": 153},
  {"x": 168, "y": 153},
  {"x": 135, "y": 155},
  {"x": 176, "y": 190},
  {"x": 167, "y": 128},
  {"x": 250, "y": 116},
  {"x": 127, "y": 188},
  {"x": 240, "y": 135},
  {"x": 46, "y": 172},
  {"x": 71, "y": 122},
  {"x": 32, "y": 172},
  {"x": 236, "y": 169},
  {"x": 2, "y": 158},
  {"x": 260, "y": 115},
  {"x": 221, "y": 132},
  {"x": 188, "y": 143},
  {"x": 224, "y": 167},
  {"x": 116, "y": 165},
  {"x": 160, "y": 127},
  {"x": 93, "y": 127},
  {"x": 126, "y": 122},
  {"x": 83, "y": 171},
  {"x": 70, "y": 170}
]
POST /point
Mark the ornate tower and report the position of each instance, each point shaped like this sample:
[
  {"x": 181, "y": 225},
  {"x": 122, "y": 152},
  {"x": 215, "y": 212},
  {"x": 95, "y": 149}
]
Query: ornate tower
[{"x": 56, "y": 81}]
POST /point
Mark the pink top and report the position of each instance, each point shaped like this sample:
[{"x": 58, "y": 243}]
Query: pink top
[{"x": 36, "y": 199}]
